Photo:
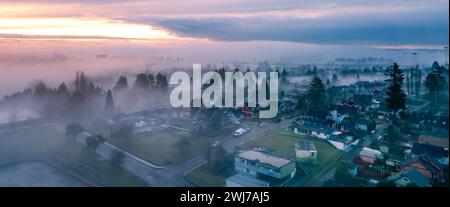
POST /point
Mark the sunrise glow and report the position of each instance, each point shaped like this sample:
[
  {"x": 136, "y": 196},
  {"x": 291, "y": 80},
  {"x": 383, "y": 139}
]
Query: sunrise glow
[{"x": 81, "y": 28}]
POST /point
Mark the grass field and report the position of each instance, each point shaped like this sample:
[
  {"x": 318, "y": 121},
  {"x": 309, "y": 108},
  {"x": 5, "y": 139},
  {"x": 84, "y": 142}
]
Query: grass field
[
  {"x": 206, "y": 177},
  {"x": 283, "y": 141},
  {"x": 160, "y": 148},
  {"x": 49, "y": 143},
  {"x": 163, "y": 148}
]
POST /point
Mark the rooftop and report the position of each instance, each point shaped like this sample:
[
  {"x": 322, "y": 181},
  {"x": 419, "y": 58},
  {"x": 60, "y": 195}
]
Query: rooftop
[
  {"x": 305, "y": 145},
  {"x": 314, "y": 127},
  {"x": 414, "y": 175},
  {"x": 434, "y": 151},
  {"x": 362, "y": 99},
  {"x": 368, "y": 152},
  {"x": 264, "y": 158}
]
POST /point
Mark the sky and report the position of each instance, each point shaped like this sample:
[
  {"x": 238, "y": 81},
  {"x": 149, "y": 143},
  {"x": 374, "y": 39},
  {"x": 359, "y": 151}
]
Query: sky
[
  {"x": 33, "y": 33},
  {"x": 388, "y": 22}
]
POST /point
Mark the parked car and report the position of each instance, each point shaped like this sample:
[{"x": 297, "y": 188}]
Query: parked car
[{"x": 239, "y": 132}]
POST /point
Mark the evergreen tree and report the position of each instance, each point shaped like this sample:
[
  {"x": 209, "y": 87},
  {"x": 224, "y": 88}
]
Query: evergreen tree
[
  {"x": 396, "y": 98},
  {"x": 62, "y": 90},
  {"x": 81, "y": 82},
  {"x": 91, "y": 89},
  {"x": 141, "y": 81},
  {"x": 40, "y": 89},
  {"x": 109, "y": 103},
  {"x": 151, "y": 80},
  {"x": 435, "y": 82},
  {"x": 122, "y": 83},
  {"x": 316, "y": 93},
  {"x": 161, "y": 81},
  {"x": 418, "y": 82}
]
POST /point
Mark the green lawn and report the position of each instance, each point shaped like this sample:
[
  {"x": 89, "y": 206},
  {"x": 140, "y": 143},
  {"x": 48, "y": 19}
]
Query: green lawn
[
  {"x": 160, "y": 148},
  {"x": 45, "y": 142},
  {"x": 205, "y": 177},
  {"x": 163, "y": 148},
  {"x": 107, "y": 175},
  {"x": 283, "y": 141}
]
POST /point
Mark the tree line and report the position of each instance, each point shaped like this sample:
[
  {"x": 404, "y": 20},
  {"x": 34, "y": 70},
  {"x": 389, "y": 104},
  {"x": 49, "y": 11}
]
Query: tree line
[{"x": 82, "y": 98}]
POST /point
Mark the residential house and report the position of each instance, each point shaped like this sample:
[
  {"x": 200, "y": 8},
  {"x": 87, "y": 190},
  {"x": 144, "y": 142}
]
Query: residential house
[
  {"x": 438, "y": 153},
  {"x": 341, "y": 141},
  {"x": 369, "y": 155},
  {"x": 318, "y": 116},
  {"x": 260, "y": 165},
  {"x": 336, "y": 119},
  {"x": 313, "y": 129},
  {"x": 436, "y": 138},
  {"x": 306, "y": 152},
  {"x": 410, "y": 177},
  {"x": 363, "y": 102},
  {"x": 343, "y": 109},
  {"x": 428, "y": 166}
]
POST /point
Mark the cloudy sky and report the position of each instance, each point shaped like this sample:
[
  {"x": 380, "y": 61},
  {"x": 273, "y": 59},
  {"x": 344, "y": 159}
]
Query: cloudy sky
[
  {"x": 323, "y": 22},
  {"x": 33, "y": 33}
]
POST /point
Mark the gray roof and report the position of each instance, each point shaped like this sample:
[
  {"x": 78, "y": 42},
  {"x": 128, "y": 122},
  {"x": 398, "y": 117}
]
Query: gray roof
[
  {"x": 314, "y": 127},
  {"x": 414, "y": 175},
  {"x": 368, "y": 152},
  {"x": 247, "y": 181},
  {"x": 305, "y": 145},
  {"x": 434, "y": 151},
  {"x": 276, "y": 162}
]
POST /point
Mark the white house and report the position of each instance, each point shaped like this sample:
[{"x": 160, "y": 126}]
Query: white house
[
  {"x": 316, "y": 130},
  {"x": 305, "y": 152},
  {"x": 342, "y": 142}
]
